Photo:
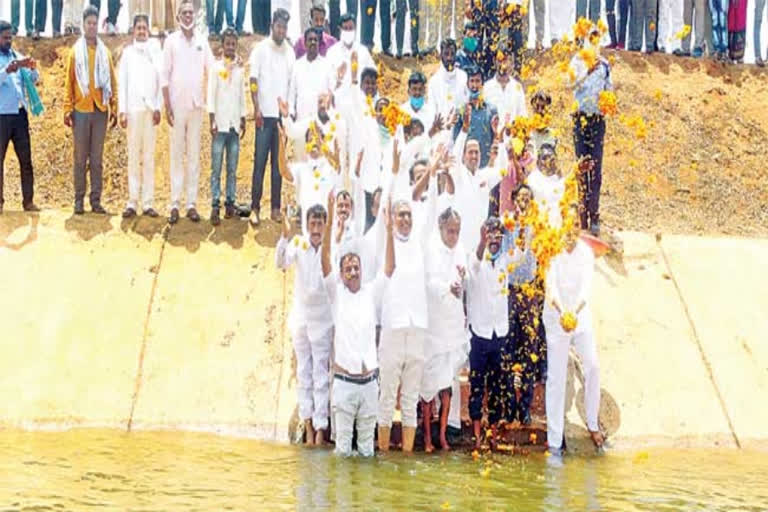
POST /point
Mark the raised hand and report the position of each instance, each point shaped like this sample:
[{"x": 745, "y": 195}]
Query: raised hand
[{"x": 395, "y": 158}]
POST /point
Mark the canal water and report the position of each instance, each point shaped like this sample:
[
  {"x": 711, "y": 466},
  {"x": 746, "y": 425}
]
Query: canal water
[{"x": 171, "y": 471}]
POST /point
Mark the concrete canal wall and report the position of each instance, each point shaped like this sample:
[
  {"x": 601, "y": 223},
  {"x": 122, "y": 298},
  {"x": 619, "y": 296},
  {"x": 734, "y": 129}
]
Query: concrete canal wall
[{"x": 134, "y": 325}]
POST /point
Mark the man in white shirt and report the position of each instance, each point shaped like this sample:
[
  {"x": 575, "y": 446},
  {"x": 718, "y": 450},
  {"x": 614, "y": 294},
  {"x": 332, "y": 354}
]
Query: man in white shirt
[
  {"x": 473, "y": 187},
  {"x": 418, "y": 108},
  {"x": 568, "y": 319},
  {"x": 445, "y": 348},
  {"x": 347, "y": 50},
  {"x": 447, "y": 89},
  {"x": 506, "y": 94},
  {"x": 310, "y": 79},
  {"x": 404, "y": 318},
  {"x": 226, "y": 110},
  {"x": 547, "y": 185},
  {"x": 138, "y": 103},
  {"x": 186, "y": 60},
  {"x": 487, "y": 316},
  {"x": 271, "y": 62},
  {"x": 310, "y": 320},
  {"x": 355, "y": 365}
]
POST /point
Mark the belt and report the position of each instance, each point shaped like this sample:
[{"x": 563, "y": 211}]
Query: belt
[{"x": 357, "y": 380}]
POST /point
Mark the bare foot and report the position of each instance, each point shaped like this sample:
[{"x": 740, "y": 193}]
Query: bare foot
[
  {"x": 429, "y": 448},
  {"x": 444, "y": 445},
  {"x": 320, "y": 437},
  {"x": 597, "y": 438},
  {"x": 309, "y": 433}
]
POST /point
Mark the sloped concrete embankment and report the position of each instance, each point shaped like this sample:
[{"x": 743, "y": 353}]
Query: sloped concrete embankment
[{"x": 135, "y": 325}]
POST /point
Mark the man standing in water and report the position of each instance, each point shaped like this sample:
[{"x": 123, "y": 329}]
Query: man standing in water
[
  {"x": 91, "y": 92},
  {"x": 186, "y": 60},
  {"x": 355, "y": 365}
]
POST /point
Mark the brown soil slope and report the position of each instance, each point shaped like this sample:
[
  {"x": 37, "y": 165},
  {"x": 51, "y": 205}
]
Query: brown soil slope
[{"x": 700, "y": 169}]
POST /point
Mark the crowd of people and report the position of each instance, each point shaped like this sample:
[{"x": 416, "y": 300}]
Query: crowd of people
[
  {"x": 435, "y": 237},
  {"x": 717, "y": 27}
]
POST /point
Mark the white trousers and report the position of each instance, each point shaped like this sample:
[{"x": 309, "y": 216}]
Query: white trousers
[
  {"x": 562, "y": 16},
  {"x": 141, "y": 159},
  {"x": 558, "y": 344},
  {"x": 185, "y": 141},
  {"x": 312, "y": 375},
  {"x": 354, "y": 402},
  {"x": 72, "y": 13},
  {"x": 670, "y": 22},
  {"x": 401, "y": 363}
]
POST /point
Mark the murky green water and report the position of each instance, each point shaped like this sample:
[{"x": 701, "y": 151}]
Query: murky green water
[{"x": 108, "y": 470}]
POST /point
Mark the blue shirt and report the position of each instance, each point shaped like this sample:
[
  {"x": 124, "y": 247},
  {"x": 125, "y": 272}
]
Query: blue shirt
[
  {"x": 479, "y": 128},
  {"x": 589, "y": 85},
  {"x": 11, "y": 89},
  {"x": 525, "y": 270}
]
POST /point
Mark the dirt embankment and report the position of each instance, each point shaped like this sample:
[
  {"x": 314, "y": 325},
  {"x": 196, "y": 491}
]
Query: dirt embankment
[{"x": 700, "y": 168}]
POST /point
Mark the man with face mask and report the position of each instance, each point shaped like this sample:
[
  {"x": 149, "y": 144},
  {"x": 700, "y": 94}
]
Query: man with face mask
[
  {"x": 347, "y": 50},
  {"x": 470, "y": 53},
  {"x": 187, "y": 58},
  {"x": 139, "y": 104},
  {"x": 272, "y": 61},
  {"x": 91, "y": 93},
  {"x": 404, "y": 318},
  {"x": 310, "y": 320},
  {"x": 480, "y": 115},
  {"x": 418, "y": 107},
  {"x": 14, "y": 107},
  {"x": 445, "y": 348},
  {"x": 447, "y": 88},
  {"x": 506, "y": 93}
]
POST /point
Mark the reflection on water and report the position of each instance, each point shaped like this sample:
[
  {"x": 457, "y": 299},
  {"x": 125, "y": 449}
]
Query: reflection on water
[{"x": 169, "y": 471}]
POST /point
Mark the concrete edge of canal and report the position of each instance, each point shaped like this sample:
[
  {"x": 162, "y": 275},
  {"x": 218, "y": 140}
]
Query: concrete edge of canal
[{"x": 135, "y": 325}]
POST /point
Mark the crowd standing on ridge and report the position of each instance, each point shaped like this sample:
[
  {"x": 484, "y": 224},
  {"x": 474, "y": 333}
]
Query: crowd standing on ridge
[{"x": 437, "y": 238}]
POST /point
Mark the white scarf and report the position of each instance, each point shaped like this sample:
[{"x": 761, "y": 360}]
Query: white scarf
[{"x": 101, "y": 73}]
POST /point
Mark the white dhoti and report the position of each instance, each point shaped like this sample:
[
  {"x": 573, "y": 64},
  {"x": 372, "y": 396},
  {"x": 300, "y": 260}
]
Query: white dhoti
[
  {"x": 141, "y": 159},
  {"x": 558, "y": 345},
  {"x": 185, "y": 142},
  {"x": 312, "y": 375},
  {"x": 670, "y": 22},
  {"x": 401, "y": 362},
  {"x": 352, "y": 403}
]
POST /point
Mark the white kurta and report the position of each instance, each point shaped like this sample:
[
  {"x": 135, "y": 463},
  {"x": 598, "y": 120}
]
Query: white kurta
[
  {"x": 569, "y": 280},
  {"x": 509, "y": 99},
  {"x": 547, "y": 192}
]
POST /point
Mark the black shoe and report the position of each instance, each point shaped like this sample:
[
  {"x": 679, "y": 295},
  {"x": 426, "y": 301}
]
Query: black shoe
[
  {"x": 678, "y": 52},
  {"x": 79, "y": 210},
  {"x": 174, "y": 218},
  {"x": 229, "y": 211},
  {"x": 99, "y": 209},
  {"x": 150, "y": 212},
  {"x": 129, "y": 213},
  {"x": 526, "y": 418},
  {"x": 760, "y": 62},
  {"x": 1, "y": 208},
  {"x": 594, "y": 228},
  {"x": 31, "y": 207},
  {"x": 193, "y": 215},
  {"x": 215, "y": 219},
  {"x": 388, "y": 53}
]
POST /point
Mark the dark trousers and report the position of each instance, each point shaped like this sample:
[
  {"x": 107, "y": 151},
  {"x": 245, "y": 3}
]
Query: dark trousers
[
  {"x": 113, "y": 9},
  {"x": 15, "y": 128},
  {"x": 261, "y": 10},
  {"x": 588, "y": 140},
  {"x": 334, "y": 14},
  {"x": 517, "y": 40},
  {"x": 610, "y": 14},
  {"x": 89, "y": 128},
  {"x": 215, "y": 15},
  {"x": 625, "y": 7},
  {"x": 56, "y": 7},
  {"x": 413, "y": 8},
  {"x": 485, "y": 375},
  {"x": 367, "y": 22},
  {"x": 266, "y": 144},
  {"x": 524, "y": 341},
  {"x": 386, "y": 24},
  {"x": 240, "y": 17}
]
